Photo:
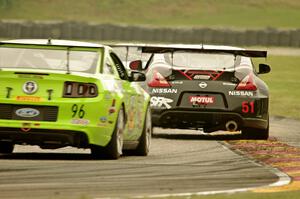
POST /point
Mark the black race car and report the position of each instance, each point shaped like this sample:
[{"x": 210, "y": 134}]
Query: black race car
[{"x": 208, "y": 87}]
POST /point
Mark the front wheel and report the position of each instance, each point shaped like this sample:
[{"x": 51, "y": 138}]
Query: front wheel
[{"x": 114, "y": 149}]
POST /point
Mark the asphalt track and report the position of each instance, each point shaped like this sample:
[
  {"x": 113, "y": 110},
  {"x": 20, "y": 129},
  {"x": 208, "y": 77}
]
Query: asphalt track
[{"x": 179, "y": 162}]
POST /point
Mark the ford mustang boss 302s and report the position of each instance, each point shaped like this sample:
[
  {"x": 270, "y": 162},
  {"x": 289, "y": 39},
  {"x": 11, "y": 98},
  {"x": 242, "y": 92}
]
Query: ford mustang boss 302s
[
  {"x": 203, "y": 86},
  {"x": 57, "y": 93}
]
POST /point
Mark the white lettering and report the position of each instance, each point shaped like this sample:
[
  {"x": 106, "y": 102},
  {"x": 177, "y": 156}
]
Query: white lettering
[
  {"x": 164, "y": 90},
  {"x": 241, "y": 93},
  {"x": 161, "y": 102},
  {"x": 201, "y": 100}
]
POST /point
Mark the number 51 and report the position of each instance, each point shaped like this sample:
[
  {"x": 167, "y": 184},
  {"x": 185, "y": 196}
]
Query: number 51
[{"x": 248, "y": 107}]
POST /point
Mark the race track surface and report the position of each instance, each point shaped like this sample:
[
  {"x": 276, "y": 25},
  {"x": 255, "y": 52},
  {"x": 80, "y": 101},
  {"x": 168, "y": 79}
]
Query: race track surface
[{"x": 180, "y": 161}]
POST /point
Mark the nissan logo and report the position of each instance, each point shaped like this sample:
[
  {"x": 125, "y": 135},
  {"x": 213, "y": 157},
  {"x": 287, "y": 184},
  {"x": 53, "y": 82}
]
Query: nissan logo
[
  {"x": 30, "y": 87},
  {"x": 203, "y": 85},
  {"x": 27, "y": 112}
]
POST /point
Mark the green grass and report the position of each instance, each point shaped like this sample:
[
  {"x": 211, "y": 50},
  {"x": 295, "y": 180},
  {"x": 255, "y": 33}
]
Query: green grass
[
  {"x": 284, "y": 85},
  {"x": 212, "y": 13}
]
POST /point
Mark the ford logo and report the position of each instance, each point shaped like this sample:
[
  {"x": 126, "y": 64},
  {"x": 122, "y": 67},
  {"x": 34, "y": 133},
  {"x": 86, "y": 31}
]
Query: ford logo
[{"x": 27, "y": 112}]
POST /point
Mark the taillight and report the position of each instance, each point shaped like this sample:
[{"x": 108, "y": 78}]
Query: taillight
[
  {"x": 158, "y": 80},
  {"x": 247, "y": 84},
  {"x": 78, "y": 89}
]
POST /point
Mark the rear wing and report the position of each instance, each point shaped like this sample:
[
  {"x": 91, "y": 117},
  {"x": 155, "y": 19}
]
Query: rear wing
[
  {"x": 246, "y": 53},
  {"x": 152, "y": 48}
]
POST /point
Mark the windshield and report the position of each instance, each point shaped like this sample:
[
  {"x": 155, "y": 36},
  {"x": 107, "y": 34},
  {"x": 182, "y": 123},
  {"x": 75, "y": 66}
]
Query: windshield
[
  {"x": 49, "y": 59},
  {"x": 202, "y": 61}
]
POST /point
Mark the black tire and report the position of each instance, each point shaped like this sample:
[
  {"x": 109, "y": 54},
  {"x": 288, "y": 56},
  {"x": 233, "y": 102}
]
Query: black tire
[
  {"x": 114, "y": 149},
  {"x": 145, "y": 139},
  {"x": 6, "y": 147},
  {"x": 256, "y": 134}
]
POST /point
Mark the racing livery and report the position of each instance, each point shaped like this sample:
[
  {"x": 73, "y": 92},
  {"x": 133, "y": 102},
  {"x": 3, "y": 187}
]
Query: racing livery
[
  {"x": 57, "y": 93},
  {"x": 208, "y": 87}
]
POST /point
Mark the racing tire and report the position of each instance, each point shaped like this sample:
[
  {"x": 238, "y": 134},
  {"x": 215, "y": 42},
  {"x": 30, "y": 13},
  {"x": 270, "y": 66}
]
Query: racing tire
[
  {"x": 6, "y": 147},
  {"x": 145, "y": 139},
  {"x": 256, "y": 134},
  {"x": 114, "y": 148}
]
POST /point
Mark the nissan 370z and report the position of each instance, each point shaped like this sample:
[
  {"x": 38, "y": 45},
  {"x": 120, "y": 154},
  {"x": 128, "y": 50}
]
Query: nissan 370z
[{"x": 208, "y": 87}]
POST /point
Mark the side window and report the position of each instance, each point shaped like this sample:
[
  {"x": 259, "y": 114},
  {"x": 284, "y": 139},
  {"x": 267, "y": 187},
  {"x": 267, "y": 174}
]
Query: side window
[
  {"x": 119, "y": 66},
  {"x": 108, "y": 67}
]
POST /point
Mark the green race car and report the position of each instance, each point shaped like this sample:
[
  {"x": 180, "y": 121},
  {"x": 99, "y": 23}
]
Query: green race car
[{"x": 57, "y": 93}]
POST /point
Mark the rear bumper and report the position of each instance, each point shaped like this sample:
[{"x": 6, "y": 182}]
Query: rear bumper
[
  {"x": 53, "y": 134},
  {"x": 45, "y": 138},
  {"x": 208, "y": 120}
]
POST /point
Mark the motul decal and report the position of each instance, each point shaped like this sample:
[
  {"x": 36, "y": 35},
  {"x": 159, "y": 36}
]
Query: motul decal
[
  {"x": 202, "y": 99},
  {"x": 164, "y": 90},
  {"x": 241, "y": 93}
]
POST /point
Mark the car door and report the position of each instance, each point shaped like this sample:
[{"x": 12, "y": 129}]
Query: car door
[{"x": 133, "y": 99}]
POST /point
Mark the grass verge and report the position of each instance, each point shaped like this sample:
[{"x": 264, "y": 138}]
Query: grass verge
[
  {"x": 284, "y": 85},
  {"x": 225, "y": 13}
]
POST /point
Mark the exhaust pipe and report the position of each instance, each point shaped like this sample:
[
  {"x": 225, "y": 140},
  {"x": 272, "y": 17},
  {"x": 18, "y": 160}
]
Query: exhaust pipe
[{"x": 231, "y": 126}]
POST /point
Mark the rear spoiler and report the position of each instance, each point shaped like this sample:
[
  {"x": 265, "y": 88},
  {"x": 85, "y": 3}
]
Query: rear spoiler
[
  {"x": 246, "y": 53},
  {"x": 150, "y": 48}
]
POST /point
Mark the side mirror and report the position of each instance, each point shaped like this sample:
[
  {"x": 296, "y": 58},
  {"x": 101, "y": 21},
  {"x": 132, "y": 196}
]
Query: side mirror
[
  {"x": 137, "y": 76},
  {"x": 136, "y": 65},
  {"x": 264, "y": 68}
]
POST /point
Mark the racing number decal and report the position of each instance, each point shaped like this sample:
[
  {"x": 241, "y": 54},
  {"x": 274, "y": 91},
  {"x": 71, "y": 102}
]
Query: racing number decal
[
  {"x": 78, "y": 111},
  {"x": 248, "y": 107}
]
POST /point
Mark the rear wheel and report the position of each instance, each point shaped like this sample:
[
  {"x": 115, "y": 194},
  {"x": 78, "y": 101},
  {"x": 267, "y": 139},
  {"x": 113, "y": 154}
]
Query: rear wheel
[
  {"x": 6, "y": 147},
  {"x": 256, "y": 134},
  {"x": 114, "y": 149},
  {"x": 145, "y": 139}
]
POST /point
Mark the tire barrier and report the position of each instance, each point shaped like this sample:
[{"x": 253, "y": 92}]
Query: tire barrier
[{"x": 111, "y": 32}]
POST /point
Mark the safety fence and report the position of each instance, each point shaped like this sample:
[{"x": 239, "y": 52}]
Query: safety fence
[{"x": 111, "y": 32}]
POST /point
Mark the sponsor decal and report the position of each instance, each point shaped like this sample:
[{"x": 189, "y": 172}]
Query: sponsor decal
[
  {"x": 30, "y": 76},
  {"x": 27, "y": 112},
  {"x": 28, "y": 98},
  {"x": 160, "y": 102},
  {"x": 241, "y": 93},
  {"x": 101, "y": 124},
  {"x": 107, "y": 96},
  {"x": 30, "y": 87},
  {"x": 164, "y": 90},
  {"x": 177, "y": 82},
  {"x": 202, "y": 85},
  {"x": 202, "y": 99},
  {"x": 228, "y": 84},
  {"x": 205, "y": 77},
  {"x": 26, "y": 127},
  {"x": 80, "y": 121},
  {"x": 103, "y": 119}
]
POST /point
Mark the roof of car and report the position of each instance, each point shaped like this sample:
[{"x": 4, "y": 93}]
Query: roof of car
[{"x": 54, "y": 42}]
